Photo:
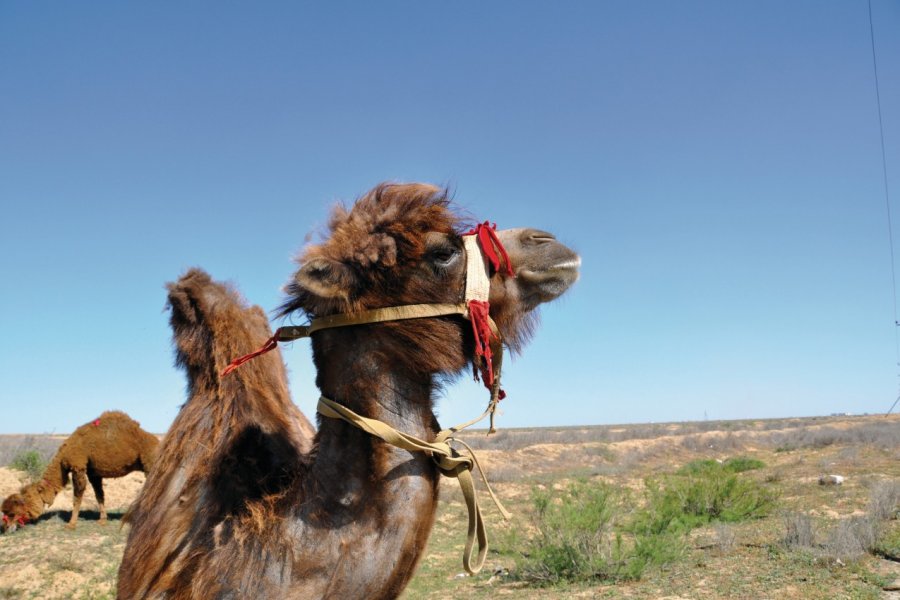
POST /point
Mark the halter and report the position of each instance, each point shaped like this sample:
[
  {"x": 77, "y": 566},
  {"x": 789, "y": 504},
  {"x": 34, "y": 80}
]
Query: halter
[{"x": 20, "y": 519}]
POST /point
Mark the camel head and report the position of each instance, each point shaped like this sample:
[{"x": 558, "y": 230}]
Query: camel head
[
  {"x": 15, "y": 512},
  {"x": 402, "y": 244},
  {"x": 25, "y": 505}
]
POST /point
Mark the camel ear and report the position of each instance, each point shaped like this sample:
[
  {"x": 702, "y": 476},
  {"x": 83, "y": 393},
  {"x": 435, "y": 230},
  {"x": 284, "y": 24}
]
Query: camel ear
[{"x": 326, "y": 278}]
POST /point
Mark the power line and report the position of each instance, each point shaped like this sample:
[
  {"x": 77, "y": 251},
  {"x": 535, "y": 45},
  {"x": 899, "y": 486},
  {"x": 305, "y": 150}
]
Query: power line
[{"x": 887, "y": 197}]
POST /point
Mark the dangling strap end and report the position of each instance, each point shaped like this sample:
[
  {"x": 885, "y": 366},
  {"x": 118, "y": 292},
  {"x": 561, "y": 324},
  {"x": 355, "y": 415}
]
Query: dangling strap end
[{"x": 292, "y": 332}]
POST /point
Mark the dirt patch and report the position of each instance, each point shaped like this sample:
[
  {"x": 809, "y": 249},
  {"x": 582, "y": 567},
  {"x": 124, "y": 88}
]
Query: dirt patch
[{"x": 11, "y": 480}]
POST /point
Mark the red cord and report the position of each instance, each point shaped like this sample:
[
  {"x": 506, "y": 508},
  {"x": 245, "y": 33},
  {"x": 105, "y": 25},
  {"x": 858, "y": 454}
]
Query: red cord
[{"x": 269, "y": 345}]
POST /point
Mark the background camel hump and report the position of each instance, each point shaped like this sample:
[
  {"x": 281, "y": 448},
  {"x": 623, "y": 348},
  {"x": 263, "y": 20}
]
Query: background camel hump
[
  {"x": 112, "y": 445},
  {"x": 235, "y": 446}
]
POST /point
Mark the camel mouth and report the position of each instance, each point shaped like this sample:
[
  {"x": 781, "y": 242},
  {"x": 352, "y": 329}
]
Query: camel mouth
[
  {"x": 567, "y": 270},
  {"x": 551, "y": 282}
]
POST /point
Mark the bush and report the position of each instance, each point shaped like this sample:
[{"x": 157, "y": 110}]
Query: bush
[
  {"x": 574, "y": 530},
  {"x": 698, "y": 495},
  {"x": 579, "y": 538},
  {"x": 851, "y": 539},
  {"x": 740, "y": 464},
  {"x": 888, "y": 545},
  {"x": 884, "y": 500},
  {"x": 799, "y": 530},
  {"x": 732, "y": 465},
  {"x": 31, "y": 462},
  {"x": 696, "y": 467},
  {"x": 588, "y": 532}
]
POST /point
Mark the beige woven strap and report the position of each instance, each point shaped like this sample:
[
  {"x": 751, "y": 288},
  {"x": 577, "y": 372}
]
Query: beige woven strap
[
  {"x": 399, "y": 313},
  {"x": 450, "y": 462},
  {"x": 376, "y": 315},
  {"x": 478, "y": 278},
  {"x": 409, "y": 311}
]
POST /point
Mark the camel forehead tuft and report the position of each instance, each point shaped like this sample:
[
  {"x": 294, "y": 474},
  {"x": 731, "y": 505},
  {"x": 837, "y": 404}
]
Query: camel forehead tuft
[{"x": 386, "y": 227}]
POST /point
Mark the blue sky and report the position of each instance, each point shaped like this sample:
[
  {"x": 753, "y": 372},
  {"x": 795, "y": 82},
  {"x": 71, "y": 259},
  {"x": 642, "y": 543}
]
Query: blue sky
[{"x": 716, "y": 164}]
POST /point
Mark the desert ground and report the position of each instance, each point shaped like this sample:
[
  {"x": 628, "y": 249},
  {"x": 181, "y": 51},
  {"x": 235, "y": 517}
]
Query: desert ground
[{"x": 848, "y": 545}]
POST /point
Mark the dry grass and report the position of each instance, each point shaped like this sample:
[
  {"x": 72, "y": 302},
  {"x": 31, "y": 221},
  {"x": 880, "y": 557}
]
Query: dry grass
[
  {"x": 809, "y": 547},
  {"x": 884, "y": 500},
  {"x": 799, "y": 531}
]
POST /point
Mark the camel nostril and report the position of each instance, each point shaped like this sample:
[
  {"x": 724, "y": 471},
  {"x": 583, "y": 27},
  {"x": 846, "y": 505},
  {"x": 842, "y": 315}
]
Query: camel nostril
[{"x": 536, "y": 236}]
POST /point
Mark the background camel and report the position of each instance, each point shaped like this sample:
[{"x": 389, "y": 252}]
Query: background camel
[
  {"x": 112, "y": 445},
  {"x": 237, "y": 505}
]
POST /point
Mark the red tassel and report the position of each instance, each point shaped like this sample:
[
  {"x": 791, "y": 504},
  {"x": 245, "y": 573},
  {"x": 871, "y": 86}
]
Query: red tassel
[
  {"x": 478, "y": 315},
  {"x": 96, "y": 423},
  {"x": 491, "y": 246}
]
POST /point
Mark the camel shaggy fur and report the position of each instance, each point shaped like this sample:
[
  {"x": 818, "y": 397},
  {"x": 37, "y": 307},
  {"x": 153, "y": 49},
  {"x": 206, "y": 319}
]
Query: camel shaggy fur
[
  {"x": 112, "y": 445},
  {"x": 246, "y": 501}
]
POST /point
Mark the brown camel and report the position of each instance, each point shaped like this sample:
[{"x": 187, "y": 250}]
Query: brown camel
[
  {"x": 244, "y": 502},
  {"x": 112, "y": 445}
]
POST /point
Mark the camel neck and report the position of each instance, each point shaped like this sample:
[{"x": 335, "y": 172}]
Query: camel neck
[
  {"x": 371, "y": 382},
  {"x": 365, "y": 497},
  {"x": 54, "y": 474},
  {"x": 365, "y": 383}
]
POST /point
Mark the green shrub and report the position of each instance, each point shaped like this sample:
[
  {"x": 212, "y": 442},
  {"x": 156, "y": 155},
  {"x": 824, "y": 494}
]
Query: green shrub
[
  {"x": 698, "y": 494},
  {"x": 739, "y": 464},
  {"x": 696, "y": 467},
  {"x": 590, "y": 532},
  {"x": 888, "y": 544},
  {"x": 574, "y": 539},
  {"x": 31, "y": 462},
  {"x": 732, "y": 465},
  {"x": 579, "y": 537}
]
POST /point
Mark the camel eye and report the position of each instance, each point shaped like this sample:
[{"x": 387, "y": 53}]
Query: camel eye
[{"x": 444, "y": 256}]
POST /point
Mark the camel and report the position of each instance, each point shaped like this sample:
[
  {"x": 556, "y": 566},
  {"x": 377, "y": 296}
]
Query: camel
[
  {"x": 112, "y": 445},
  {"x": 247, "y": 500}
]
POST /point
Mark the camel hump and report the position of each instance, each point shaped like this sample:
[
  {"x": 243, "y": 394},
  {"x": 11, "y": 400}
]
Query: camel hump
[
  {"x": 110, "y": 422},
  {"x": 114, "y": 416},
  {"x": 211, "y": 323}
]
